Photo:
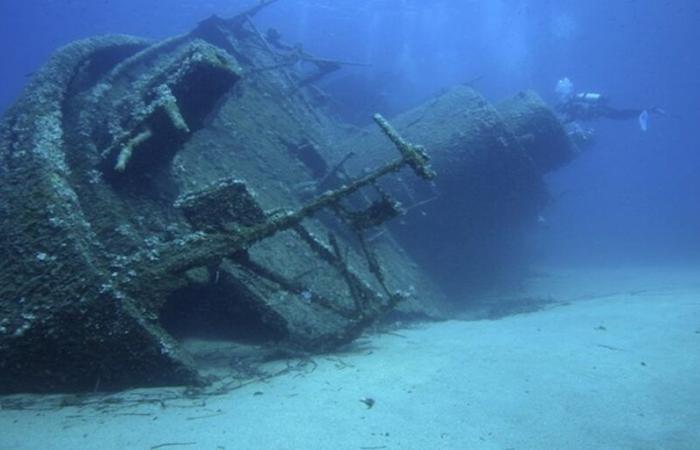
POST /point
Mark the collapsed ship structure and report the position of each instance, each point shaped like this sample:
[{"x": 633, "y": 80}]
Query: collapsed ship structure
[{"x": 144, "y": 181}]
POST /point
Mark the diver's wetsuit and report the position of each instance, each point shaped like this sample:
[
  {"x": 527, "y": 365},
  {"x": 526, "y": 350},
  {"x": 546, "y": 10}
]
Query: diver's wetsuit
[{"x": 580, "y": 109}]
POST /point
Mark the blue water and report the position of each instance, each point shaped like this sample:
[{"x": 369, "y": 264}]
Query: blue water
[{"x": 632, "y": 198}]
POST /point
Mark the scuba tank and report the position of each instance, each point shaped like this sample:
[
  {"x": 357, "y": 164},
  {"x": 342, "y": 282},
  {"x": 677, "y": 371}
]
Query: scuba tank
[{"x": 590, "y": 98}]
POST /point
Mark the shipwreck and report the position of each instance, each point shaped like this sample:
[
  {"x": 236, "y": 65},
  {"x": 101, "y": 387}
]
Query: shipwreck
[{"x": 142, "y": 182}]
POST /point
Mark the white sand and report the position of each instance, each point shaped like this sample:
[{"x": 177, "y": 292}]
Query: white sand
[{"x": 618, "y": 368}]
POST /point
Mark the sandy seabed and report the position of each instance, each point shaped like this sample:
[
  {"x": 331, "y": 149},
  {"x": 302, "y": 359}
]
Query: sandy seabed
[{"x": 615, "y": 364}]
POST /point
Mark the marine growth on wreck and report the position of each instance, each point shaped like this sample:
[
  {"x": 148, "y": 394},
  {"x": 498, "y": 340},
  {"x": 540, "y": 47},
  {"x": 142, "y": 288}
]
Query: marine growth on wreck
[{"x": 207, "y": 169}]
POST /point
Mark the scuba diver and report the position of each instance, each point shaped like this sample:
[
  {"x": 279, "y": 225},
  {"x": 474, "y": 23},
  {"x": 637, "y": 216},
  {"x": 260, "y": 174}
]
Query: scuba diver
[{"x": 586, "y": 106}]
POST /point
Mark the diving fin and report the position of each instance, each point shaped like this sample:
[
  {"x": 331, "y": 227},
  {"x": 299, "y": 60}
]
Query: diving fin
[{"x": 644, "y": 120}]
